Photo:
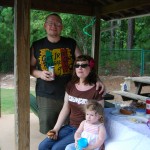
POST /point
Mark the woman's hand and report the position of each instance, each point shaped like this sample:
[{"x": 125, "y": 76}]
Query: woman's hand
[{"x": 52, "y": 134}]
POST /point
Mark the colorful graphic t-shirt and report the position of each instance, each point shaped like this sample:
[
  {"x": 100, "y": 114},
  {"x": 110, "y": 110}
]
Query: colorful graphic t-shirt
[
  {"x": 77, "y": 99},
  {"x": 61, "y": 56}
]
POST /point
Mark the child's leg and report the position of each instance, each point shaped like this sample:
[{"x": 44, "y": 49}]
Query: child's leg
[{"x": 70, "y": 147}]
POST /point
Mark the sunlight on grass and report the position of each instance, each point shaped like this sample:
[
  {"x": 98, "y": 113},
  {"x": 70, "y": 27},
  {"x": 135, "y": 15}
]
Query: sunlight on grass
[{"x": 7, "y": 97}]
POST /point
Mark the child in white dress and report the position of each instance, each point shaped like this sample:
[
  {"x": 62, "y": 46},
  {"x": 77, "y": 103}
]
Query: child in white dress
[{"x": 92, "y": 128}]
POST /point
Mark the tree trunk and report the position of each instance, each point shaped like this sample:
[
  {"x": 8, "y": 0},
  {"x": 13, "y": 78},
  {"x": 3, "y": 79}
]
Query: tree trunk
[
  {"x": 121, "y": 37},
  {"x": 131, "y": 28},
  {"x": 112, "y": 41}
]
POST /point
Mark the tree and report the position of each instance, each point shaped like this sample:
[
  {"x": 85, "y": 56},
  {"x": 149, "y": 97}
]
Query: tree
[
  {"x": 131, "y": 28},
  {"x": 112, "y": 41},
  {"x": 6, "y": 39}
]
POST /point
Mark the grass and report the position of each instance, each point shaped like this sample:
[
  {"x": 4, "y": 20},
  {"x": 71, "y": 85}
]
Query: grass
[{"x": 7, "y": 97}]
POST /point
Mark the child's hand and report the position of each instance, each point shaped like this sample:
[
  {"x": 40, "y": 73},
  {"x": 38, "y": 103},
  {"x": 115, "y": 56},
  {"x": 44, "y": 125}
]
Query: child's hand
[{"x": 76, "y": 143}]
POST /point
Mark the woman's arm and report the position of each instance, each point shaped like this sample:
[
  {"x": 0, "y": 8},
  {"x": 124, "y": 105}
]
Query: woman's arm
[
  {"x": 77, "y": 52},
  {"x": 63, "y": 113},
  {"x": 61, "y": 118}
]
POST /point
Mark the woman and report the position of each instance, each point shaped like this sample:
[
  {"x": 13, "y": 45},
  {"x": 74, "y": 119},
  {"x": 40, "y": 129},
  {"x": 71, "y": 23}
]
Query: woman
[{"x": 78, "y": 91}]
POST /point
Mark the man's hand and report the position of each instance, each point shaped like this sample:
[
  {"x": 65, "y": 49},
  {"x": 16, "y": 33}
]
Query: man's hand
[
  {"x": 100, "y": 86},
  {"x": 46, "y": 75}
]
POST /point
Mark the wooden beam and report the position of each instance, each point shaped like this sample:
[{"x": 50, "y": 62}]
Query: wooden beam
[
  {"x": 54, "y": 6},
  {"x": 62, "y": 7},
  {"x": 96, "y": 40},
  {"x": 22, "y": 73},
  {"x": 122, "y": 5},
  {"x": 80, "y": 8},
  {"x": 0, "y": 103},
  {"x": 7, "y": 3}
]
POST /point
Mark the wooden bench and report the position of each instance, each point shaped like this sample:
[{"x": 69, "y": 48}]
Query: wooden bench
[
  {"x": 108, "y": 104},
  {"x": 108, "y": 96},
  {"x": 130, "y": 96},
  {"x": 33, "y": 104}
]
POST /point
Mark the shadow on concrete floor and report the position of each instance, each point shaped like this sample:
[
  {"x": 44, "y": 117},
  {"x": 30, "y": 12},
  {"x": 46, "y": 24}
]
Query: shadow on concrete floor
[{"x": 7, "y": 132}]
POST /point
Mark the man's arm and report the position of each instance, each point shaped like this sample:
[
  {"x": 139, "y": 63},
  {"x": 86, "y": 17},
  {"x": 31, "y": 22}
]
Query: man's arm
[
  {"x": 77, "y": 52},
  {"x": 45, "y": 75},
  {"x": 100, "y": 84},
  {"x": 33, "y": 70}
]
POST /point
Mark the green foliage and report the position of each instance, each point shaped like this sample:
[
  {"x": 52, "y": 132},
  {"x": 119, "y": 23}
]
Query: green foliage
[
  {"x": 78, "y": 27},
  {"x": 125, "y": 62},
  {"x": 7, "y": 31},
  {"x": 142, "y": 34},
  {"x": 36, "y": 25},
  {"x": 7, "y": 40},
  {"x": 73, "y": 27},
  {"x": 6, "y": 60},
  {"x": 8, "y": 100}
]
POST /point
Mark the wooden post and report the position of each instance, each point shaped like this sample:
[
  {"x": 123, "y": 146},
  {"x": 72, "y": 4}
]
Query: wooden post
[
  {"x": 0, "y": 101},
  {"x": 22, "y": 73},
  {"x": 96, "y": 40}
]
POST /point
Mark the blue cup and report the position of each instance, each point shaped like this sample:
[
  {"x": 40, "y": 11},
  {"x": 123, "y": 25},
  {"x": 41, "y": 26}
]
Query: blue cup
[{"x": 82, "y": 143}]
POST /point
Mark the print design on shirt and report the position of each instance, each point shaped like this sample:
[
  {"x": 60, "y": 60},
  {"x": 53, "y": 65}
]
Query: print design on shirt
[
  {"x": 60, "y": 58},
  {"x": 77, "y": 100}
]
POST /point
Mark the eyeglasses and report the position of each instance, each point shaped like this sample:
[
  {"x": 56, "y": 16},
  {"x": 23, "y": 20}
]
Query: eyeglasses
[
  {"x": 57, "y": 24},
  {"x": 82, "y": 65}
]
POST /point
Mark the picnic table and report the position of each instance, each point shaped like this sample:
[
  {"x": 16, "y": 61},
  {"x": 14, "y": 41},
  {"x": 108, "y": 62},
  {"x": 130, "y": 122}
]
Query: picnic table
[
  {"x": 140, "y": 82},
  {"x": 137, "y": 95},
  {"x": 123, "y": 134}
]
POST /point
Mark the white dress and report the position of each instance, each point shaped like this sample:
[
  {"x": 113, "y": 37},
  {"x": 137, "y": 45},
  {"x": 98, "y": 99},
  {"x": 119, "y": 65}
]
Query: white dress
[{"x": 90, "y": 132}]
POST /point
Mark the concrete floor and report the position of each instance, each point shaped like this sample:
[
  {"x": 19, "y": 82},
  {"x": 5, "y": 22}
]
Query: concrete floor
[{"x": 7, "y": 132}]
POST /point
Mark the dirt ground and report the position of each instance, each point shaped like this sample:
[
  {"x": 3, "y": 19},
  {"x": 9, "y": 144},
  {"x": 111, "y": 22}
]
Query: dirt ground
[
  {"x": 111, "y": 83},
  {"x": 7, "y": 81}
]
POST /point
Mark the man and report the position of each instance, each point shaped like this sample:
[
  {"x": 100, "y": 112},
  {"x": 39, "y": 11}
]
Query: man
[{"x": 60, "y": 52}]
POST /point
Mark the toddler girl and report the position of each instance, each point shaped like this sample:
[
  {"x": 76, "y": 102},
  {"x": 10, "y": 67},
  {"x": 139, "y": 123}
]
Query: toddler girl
[{"x": 92, "y": 128}]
